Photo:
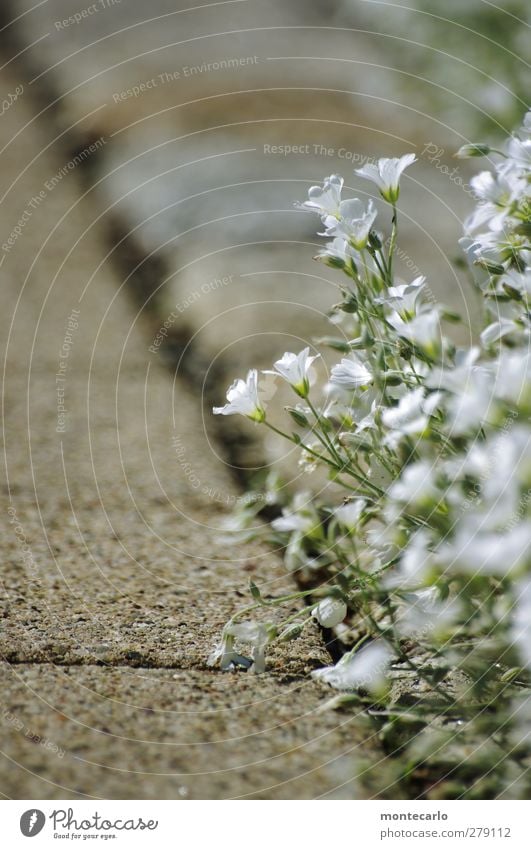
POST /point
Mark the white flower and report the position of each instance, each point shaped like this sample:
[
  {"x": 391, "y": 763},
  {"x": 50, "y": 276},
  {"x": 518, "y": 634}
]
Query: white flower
[
  {"x": 351, "y": 373},
  {"x": 498, "y": 330},
  {"x": 386, "y": 174},
  {"x": 256, "y": 634},
  {"x": 423, "y": 613},
  {"x": 521, "y": 627},
  {"x": 338, "y": 252},
  {"x": 520, "y": 282},
  {"x": 472, "y": 407},
  {"x": 353, "y": 222},
  {"x": 424, "y": 330},
  {"x": 471, "y": 402},
  {"x": 415, "y": 566},
  {"x": 242, "y": 396},
  {"x": 403, "y": 298},
  {"x": 225, "y": 654},
  {"x": 330, "y": 612},
  {"x": 496, "y": 196},
  {"x": 513, "y": 379},
  {"x": 416, "y": 485},
  {"x": 479, "y": 551},
  {"x": 366, "y": 668},
  {"x": 325, "y": 199},
  {"x": 495, "y": 251},
  {"x": 412, "y": 414},
  {"x": 299, "y": 516},
  {"x": 292, "y": 522},
  {"x": 294, "y": 368},
  {"x": 456, "y": 379},
  {"x": 349, "y": 514},
  {"x": 519, "y": 154}
]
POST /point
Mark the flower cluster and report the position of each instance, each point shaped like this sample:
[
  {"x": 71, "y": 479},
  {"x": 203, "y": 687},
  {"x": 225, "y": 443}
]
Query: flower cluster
[
  {"x": 428, "y": 555},
  {"x": 498, "y": 240}
]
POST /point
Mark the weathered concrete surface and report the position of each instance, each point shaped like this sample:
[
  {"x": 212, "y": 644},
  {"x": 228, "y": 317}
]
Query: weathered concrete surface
[
  {"x": 114, "y": 584},
  {"x": 204, "y": 161},
  {"x": 137, "y": 733},
  {"x": 201, "y": 163}
]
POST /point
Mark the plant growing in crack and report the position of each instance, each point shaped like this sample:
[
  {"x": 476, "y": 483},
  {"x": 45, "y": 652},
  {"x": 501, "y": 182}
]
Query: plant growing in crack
[{"x": 423, "y": 566}]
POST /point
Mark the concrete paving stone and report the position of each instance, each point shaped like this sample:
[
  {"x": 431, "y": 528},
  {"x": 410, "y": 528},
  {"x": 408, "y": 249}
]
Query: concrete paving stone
[
  {"x": 108, "y": 512},
  {"x": 124, "y": 582},
  {"x": 198, "y": 168},
  {"x": 114, "y": 581},
  {"x": 124, "y": 733}
]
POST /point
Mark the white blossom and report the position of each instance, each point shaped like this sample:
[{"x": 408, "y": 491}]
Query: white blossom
[
  {"x": 226, "y": 656},
  {"x": 386, "y": 174},
  {"x": 325, "y": 199},
  {"x": 295, "y": 368},
  {"x": 513, "y": 378},
  {"x": 299, "y": 516},
  {"x": 351, "y": 373},
  {"x": 416, "y": 485},
  {"x": 403, "y": 299},
  {"x": 256, "y": 634},
  {"x": 243, "y": 398},
  {"x": 498, "y": 330},
  {"x": 353, "y": 222},
  {"x": 521, "y": 625},
  {"x": 412, "y": 414},
  {"x": 424, "y": 330},
  {"x": 416, "y": 564},
  {"x": 338, "y": 251},
  {"x": 365, "y": 669},
  {"x": 351, "y": 513},
  {"x": 488, "y": 552}
]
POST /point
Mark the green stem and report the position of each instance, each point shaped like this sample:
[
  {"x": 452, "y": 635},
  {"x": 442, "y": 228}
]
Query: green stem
[{"x": 392, "y": 245}]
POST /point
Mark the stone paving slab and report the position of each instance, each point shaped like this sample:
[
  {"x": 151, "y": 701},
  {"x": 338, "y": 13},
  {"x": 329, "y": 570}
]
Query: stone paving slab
[
  {"x": 124, "y": 733},
  {"x": 201, "y": 168},
  {"x": 197, "y": 166},
  {"x": 114, "y": 583}
]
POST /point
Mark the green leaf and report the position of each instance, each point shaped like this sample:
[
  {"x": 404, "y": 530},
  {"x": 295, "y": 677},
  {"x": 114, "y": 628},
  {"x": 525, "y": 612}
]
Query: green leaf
[{"x": 255, "y": 592}]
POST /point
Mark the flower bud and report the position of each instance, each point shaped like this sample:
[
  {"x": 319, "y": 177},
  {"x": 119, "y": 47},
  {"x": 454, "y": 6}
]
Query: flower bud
[
  {"x": 298, "y": 416},
  {"x": 469, "y": 150},
  {"x": 330, "y": 612}
]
